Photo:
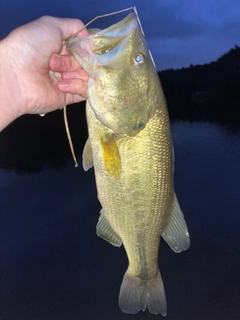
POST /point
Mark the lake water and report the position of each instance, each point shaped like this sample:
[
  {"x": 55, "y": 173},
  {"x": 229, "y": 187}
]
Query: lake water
[{"x": 54, "y": 267}]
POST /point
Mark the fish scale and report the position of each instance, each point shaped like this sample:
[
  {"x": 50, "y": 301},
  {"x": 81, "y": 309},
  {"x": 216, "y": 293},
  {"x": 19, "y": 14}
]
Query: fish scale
[{"x": 144, "y": 185}]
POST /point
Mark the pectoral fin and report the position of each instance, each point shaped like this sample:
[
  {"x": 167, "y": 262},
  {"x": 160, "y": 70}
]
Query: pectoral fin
[
  {"x": 176, "y": 233},
  {"x": 106, "y": 232},
  {"x": 87, "y": 156},
  {"x": 111, "y": 155}
]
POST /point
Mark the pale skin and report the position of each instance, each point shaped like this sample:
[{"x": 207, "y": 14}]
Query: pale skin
[{"x": 30, "y": 56}]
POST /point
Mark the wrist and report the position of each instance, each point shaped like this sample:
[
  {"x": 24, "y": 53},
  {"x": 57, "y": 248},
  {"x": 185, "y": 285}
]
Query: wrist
[{"x": 10, "y": 92}]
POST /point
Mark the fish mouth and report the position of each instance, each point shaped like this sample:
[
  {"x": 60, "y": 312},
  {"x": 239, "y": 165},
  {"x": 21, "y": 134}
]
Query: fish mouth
[
  {"x": 118, "y": 85},
  {"x": 105, "y": 47}
]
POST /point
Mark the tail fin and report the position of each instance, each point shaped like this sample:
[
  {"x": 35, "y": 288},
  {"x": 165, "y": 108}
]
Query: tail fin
[{"x": 137, "y": 294}]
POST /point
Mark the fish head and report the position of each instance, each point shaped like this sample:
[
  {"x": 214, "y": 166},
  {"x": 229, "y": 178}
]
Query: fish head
[{"x": 121, "y": 91}]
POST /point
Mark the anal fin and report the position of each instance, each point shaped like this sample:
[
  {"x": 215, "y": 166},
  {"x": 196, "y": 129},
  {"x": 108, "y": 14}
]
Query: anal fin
[
  {"x": 106, "y": 232},
  {"x": 176, "y": 233}
]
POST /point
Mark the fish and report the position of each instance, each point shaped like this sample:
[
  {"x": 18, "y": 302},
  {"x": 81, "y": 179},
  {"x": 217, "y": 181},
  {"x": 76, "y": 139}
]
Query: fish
[{"x": 130, "y": 148}]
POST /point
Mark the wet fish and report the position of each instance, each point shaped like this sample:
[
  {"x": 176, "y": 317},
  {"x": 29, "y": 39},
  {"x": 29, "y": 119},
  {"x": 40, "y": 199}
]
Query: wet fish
[{"x": 131, "y": 149}]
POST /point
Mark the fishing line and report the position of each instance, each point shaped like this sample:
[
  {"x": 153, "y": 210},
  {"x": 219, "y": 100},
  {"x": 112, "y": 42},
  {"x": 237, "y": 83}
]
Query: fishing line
[
  {"x": 65, "y": 42},
  {"x": 140, "y": 25},
  {"x": 97, "y": 17},
  {"x": 68, "y": 131}
]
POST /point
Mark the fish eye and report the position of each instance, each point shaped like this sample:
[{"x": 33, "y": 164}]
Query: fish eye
[{"x": 138, "y": 59}]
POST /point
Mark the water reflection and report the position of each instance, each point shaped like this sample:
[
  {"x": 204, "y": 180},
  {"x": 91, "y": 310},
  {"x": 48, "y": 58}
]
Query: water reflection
[
  {"x": 53, "y": 266},
  {"x": 207, "y": 177}
]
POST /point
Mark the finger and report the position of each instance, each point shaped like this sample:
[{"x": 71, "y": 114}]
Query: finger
[
  {"x": 62, "y": 63},
  {"x": 74, "y": 86},
  {"x": 73, "y": 98},
  {"x": 79, "y": 74}
]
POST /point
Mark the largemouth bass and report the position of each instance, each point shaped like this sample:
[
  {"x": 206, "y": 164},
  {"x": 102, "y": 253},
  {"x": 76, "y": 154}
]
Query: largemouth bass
[{"x": 131, "y": 149}]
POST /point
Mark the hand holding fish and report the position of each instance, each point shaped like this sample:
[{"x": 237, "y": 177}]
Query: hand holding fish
[{"x": 36, "y": 70}]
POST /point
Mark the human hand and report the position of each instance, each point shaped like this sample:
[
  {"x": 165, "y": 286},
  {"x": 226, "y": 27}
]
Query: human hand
[{"x": 28, "y": 53}]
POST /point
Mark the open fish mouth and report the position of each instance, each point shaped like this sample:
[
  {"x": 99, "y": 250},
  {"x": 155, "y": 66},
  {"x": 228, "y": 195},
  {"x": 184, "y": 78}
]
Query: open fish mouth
[
  {"x": 119, "y": 65},
  {"x": 105, "y": 47}
]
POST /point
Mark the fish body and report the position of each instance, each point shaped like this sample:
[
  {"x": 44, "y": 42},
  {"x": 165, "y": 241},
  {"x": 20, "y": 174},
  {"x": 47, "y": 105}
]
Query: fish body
[{"x": 131, "y": 149}]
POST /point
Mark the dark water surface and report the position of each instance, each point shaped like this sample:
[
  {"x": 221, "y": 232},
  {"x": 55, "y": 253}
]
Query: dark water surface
[{"x": 54, "y": 267}]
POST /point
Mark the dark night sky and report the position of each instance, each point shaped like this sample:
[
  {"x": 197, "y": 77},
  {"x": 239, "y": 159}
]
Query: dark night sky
[{"x": 179, "y": 33}]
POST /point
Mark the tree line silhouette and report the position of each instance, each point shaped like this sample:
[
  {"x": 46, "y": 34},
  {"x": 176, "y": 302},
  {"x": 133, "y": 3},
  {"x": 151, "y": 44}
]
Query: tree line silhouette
[{"x": 209, "y": 92}]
